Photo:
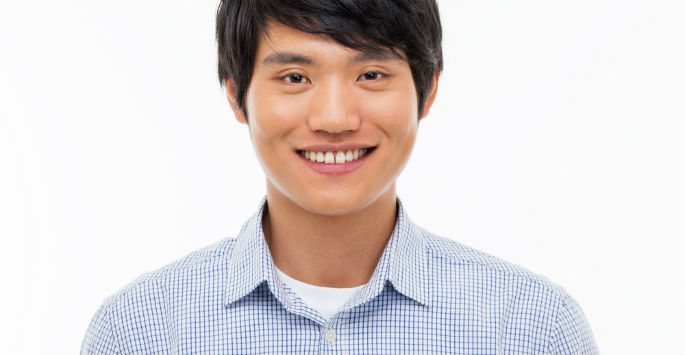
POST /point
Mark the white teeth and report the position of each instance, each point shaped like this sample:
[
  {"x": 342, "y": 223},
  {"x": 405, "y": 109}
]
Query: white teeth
[
  {"x": 329, "y": 158},
  {"x": 338, "y": 157}
]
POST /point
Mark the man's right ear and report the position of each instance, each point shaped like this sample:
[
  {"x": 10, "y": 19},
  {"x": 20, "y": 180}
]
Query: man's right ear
[{"x": 231, "y": 96}]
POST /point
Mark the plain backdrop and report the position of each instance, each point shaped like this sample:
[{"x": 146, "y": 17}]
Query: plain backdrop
[{"x": 556, "y": 143}]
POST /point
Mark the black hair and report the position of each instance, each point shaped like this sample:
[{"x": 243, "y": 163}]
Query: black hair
[{"x": 410, "y": 25}]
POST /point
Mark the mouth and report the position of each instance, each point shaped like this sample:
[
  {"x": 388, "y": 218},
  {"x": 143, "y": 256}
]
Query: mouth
[{"x": 333, "y": 157}]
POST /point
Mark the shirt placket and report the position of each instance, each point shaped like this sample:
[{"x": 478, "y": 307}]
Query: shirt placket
[{"x": 333, "y": 336}]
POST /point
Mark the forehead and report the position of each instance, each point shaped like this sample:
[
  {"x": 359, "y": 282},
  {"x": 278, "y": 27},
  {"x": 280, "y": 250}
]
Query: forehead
[{"x": 281, "y": 44}]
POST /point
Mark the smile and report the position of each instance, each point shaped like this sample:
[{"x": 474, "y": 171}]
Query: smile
[
  {"x": 335, "y": 162},
  {"x": 339, "y": 157}
]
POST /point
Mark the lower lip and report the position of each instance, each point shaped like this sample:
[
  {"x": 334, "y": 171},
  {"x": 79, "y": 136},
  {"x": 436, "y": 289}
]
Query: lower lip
[{"x": 335, "y": 169}]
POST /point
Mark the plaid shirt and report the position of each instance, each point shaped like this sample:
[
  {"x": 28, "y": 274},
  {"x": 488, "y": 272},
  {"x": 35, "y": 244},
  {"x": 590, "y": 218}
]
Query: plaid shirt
[{"x": 427, "y": 295}]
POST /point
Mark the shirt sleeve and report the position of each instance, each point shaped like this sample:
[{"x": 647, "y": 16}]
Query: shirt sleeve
[
  {"x": 572, "y": 333},
  {"x": 99, "y": 337}
]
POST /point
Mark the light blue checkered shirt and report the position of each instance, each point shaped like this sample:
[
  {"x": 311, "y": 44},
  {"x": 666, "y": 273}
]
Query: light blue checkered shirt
[{"x": 427, "y": 295}]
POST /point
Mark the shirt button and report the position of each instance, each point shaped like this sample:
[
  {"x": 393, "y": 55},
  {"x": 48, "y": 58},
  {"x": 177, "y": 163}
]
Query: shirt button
[{"x": 329, "y": 336}]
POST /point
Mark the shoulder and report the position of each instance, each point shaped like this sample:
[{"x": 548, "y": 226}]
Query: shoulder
[
  {"x": 447, "y": 254},
  {"x": 531, "y": 302},
  {"x": 195, "y": 266},
  {"x": 141, "y": 307}
]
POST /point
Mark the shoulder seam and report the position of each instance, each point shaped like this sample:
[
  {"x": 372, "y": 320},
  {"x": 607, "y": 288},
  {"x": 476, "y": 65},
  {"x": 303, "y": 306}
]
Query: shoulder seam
[
  {"x": 552, "y": 339},
  {"x": 539, "y": 279},
  {"x": 161, "y": 273},
  {"x": 115, "y": 334}
]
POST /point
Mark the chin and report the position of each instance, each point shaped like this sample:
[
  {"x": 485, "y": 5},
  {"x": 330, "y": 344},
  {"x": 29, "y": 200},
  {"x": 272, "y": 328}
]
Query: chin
[{"x": 333, "y": 203}]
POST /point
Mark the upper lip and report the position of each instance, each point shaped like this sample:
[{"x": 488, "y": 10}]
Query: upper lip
[{"x": 335, "y": 147}]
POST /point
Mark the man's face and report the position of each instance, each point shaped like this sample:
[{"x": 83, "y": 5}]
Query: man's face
[{"x": 309, "y": 93}]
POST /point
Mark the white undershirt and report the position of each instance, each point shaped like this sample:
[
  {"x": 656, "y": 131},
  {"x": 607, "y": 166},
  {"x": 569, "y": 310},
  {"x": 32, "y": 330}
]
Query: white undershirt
[{"x": 326, "y": 300}]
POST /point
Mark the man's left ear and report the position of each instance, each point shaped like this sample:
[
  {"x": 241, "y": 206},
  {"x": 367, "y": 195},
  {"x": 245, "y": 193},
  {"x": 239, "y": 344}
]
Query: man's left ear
[{"x": 431, "y": 96}]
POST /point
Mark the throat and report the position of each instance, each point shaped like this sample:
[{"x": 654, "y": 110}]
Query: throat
[{"x": 327, "y": 252}]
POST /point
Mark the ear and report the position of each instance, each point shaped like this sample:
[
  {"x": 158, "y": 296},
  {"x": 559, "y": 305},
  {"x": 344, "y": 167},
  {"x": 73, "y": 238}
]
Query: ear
[
  {"x": 231, "y": 96},
  {"x": 431, "y": 96}
]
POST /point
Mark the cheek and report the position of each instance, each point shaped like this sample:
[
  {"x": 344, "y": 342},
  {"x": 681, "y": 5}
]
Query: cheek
[
  {"x": 393, "y": 112},
  {"x": 273, "y": 116}
]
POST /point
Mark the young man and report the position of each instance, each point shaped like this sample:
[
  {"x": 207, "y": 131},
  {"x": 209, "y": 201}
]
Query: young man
[{"x": 332, "y": 93}]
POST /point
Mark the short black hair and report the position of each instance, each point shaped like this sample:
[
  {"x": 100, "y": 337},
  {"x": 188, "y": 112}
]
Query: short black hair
[{"x": 366, "y": 25}]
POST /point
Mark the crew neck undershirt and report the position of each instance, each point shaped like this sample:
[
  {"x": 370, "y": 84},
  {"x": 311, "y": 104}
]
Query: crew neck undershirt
[{"x": 326, "y": 300}]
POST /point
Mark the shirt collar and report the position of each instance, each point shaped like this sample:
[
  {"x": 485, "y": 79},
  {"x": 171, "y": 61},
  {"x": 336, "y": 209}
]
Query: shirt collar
[{"x": 403, "y": 263}]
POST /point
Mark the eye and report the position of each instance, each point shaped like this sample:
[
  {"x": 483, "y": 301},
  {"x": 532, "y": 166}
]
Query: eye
[
  {"x": 294, "y": 78},
  {"x": 371, "y": 75}
]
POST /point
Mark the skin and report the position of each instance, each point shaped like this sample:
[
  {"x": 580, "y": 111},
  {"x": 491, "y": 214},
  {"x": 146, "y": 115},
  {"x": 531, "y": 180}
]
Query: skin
[{"x": 328, "y": 230}]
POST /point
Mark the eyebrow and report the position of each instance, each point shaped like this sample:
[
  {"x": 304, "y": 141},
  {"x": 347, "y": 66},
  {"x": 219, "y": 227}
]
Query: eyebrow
[{"x": 364, "y": 56}]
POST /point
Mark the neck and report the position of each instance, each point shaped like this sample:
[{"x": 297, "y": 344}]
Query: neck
[{"x": 323, "y": 250}]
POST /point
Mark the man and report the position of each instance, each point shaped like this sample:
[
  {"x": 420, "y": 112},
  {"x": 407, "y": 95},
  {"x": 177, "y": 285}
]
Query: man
[{"x": 332, "y": 93}]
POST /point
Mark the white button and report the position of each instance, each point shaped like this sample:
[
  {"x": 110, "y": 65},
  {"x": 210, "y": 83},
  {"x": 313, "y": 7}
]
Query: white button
[{"x": 330, "y": 336}]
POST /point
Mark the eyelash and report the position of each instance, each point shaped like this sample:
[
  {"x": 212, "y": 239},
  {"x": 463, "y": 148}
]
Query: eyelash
[{"x": 382, "y": 75}]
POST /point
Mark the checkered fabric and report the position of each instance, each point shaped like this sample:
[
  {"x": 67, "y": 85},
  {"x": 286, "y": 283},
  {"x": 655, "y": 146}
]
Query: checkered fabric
[{"x": 427, "y": 295}]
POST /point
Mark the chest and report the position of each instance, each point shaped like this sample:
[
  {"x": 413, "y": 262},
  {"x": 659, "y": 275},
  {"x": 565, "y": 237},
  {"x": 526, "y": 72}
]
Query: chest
[{"x": 389, "y": 324}]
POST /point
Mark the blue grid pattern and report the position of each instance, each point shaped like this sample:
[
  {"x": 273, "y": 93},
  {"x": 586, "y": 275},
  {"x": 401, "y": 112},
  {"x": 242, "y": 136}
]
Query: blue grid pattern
[{"x": 427, "y": 295}]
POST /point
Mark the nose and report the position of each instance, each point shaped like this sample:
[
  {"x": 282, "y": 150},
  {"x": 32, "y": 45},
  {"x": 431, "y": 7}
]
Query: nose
[{"x": 333, "y": 108}]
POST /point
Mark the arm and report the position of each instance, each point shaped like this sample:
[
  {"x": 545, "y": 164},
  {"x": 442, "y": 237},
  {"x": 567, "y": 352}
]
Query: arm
[
  {"x": 572, "y": 333},
  {"x": 99, "y": 337}
]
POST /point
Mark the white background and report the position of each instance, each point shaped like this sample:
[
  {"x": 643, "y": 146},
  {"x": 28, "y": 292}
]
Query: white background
[{"x": 556, "y": 142}]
